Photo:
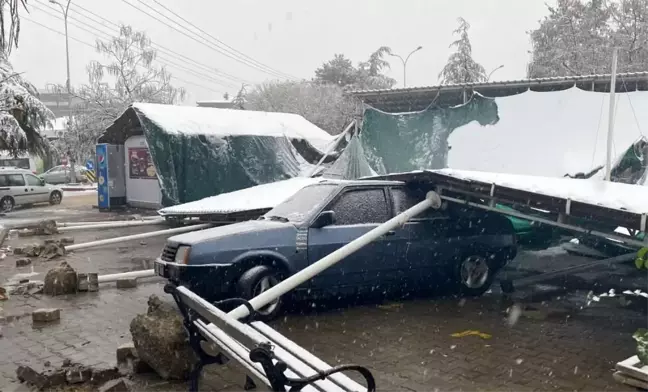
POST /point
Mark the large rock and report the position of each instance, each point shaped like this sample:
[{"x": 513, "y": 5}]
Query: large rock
[
  {"x": 60, "y": 280},
  {"x": 161, "y": 341}
]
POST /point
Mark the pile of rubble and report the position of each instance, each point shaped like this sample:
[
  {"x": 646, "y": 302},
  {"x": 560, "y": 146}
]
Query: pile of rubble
[{"x": 101, "y": 379}]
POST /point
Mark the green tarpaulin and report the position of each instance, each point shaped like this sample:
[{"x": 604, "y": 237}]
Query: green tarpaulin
[{"x": 404, "y": 142}]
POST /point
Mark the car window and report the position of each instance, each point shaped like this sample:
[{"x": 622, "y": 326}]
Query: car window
[
  {"x": 361, "y": 206},
  {"x": 16, "y": 180},
  {"x": 405, "y": 199},
  {"x": 4, "y": 180},
  {"x": 33, "y": 180}
]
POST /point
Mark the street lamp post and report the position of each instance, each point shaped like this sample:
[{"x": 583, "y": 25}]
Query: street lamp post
[
  {"x": 64, "y": 10},
  {"x": 405, "y": 63},
  {"x": 493, "y": 71}
]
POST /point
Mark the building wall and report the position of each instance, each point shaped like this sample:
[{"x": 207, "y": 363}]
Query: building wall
[{"x": 142, "y": 188}]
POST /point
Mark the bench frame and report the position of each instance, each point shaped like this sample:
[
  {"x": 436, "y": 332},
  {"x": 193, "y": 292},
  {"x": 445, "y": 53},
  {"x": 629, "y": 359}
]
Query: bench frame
[{"x": 268, "y": 358}]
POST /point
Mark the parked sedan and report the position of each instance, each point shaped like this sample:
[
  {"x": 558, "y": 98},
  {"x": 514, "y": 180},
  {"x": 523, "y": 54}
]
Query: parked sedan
[
  {"x": 62, "y": 174},
  {"x": 456, "y": 245}
]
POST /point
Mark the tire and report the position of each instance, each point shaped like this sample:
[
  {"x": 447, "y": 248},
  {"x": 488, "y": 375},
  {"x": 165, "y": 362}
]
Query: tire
[
  {"x": 474, "y": 275},
  {"x": 55, "y": 198},
  {"x": 257, "y": 280},
  {"x": 7, "y": 204}
]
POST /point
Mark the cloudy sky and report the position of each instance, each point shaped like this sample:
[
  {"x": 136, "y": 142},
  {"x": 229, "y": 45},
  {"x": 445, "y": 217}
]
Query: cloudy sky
[{"x": 265, "y": 39}]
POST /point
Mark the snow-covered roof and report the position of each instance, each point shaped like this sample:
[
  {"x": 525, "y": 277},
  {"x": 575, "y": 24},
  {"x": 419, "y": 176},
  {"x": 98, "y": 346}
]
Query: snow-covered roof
[
  {"x": 255, "y": 198},
  {"x": 613, "y": 195},
  {"x": 230, "y": 122},
  {"x": 549, "y": 133}
]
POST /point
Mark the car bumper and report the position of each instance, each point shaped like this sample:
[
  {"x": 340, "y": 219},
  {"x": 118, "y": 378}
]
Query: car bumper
[{"x": 211, "y": 281}]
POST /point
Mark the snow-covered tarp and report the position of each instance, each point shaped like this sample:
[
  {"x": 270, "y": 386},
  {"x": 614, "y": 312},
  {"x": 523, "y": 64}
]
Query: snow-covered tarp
[
  {"x": 255, "y": 198},
  {"x": 549, "y": 133},
  {"x": 595, "y": 192},
  {"x": 201, "y": 152}
]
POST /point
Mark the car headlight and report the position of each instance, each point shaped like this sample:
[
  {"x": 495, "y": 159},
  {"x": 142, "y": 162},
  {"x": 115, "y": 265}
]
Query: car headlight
[{"x": 182, "y": 255}]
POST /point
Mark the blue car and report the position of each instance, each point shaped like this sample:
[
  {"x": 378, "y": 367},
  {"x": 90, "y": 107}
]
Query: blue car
[{"x": 455, "y": 244}]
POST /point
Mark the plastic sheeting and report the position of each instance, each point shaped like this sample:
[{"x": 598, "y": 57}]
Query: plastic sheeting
[
  {"x": 352, "y": 163},
  {"x": 201, "y": 152},
  {"x": 550, "y": 133},
  {"x": 404, "y": 142}
]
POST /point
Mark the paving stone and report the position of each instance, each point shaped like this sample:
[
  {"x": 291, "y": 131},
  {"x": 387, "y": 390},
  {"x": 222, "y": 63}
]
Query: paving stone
[
  {"x": 125, "y": 352},
  {"x": 119, "y": 385},
  {"x": 31, "y": 376},
  {"x": 126, "y": 283},
  {"x": 23, "y": 262},
  {"x": 78, "y": 375},
  {"x": 46, "y": 315}
]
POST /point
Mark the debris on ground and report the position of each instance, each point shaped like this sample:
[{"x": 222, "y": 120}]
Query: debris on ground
[
  {"x": 471, "y": 333},
  {"x": 128, "y": 361},
  {"x": 61, "y": 280},
  {"x": 88, "y": 282},
  {"x": 3, "y": 294},
  {"x": 160, "y": 340},
  {"x": 126, "y": 283},
  {"x": 60, "y": 241},
  {"x": 23, "y": 262},
  {"x": 72, "y": 375},
  {"x": 28, "y": 287},
  {"x": 52, "y": 251},
  {"x": 46, "y": 315}
]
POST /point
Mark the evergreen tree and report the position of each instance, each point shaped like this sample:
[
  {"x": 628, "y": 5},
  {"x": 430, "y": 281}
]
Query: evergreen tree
[{"x": 461, "y": 68}]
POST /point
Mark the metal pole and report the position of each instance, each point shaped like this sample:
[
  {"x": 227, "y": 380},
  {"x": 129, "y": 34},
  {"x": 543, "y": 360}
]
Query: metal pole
[
  {"x": 405, "y": 63},
  {"x": 610, "y": 135},
  {"x": 332, "y": 147},
  {"x": 493, "y": 71},
  {"x": 432, "y": 199},
  {"x": 112, "y": 225}
]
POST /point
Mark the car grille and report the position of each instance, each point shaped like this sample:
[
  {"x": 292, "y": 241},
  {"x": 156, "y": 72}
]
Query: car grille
[{"x": 169, "y": 252}]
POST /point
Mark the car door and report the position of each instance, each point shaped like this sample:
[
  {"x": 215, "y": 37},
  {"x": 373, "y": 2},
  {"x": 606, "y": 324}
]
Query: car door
[
  {"x": 422, "y": 243},
  {"x": 53, "y": 175},
  {"x": 18, "y": 188},
  {"x": 357, "y": 211},
  {"x": 37, "y": 192}
]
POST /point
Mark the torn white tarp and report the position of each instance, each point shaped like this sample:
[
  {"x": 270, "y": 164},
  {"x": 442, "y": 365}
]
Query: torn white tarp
[
  {"x": 255, "y": 198},
  {"x": 614, "y": 195},
  {"x": 550, "y": 133}
]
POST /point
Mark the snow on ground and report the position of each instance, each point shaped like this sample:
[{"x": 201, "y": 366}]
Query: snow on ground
[
  {"x": 595, "y": 192},
  {"x": 254, "y": 198},
  {"x": 79, "y": 193}
]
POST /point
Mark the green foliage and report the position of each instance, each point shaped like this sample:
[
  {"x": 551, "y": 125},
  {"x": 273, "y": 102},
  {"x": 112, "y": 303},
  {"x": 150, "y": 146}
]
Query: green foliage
[
  {"x": 367, "y": 75},
  {"x": 641, "y": 336}
]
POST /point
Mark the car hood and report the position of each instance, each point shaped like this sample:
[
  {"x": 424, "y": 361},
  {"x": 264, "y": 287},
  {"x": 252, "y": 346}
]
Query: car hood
[{"x": 235, "y": 229}]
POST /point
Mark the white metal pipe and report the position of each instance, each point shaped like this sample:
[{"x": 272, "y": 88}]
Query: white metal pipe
[
  {"x": 116, "y": 240},
  {"x": 126, "y": 275},
  {"x": 332, "y": 147},
  {"x": 432, "y": 199},
  {"x": 86, "y": 223},
  {"x": 610, "y": 135},
  {"x": 149, "y": 222}
]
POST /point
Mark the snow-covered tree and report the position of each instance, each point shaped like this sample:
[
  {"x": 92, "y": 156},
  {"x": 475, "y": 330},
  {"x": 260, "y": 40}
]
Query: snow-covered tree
[
  {"x": 461, "y": 68},
  {"x": 10, "y": 23},
  {"x": 578, "y": 36},
  {"x": 129, "y": 74},
  {"x": 22, "y": 114},
  {"x": 325, "y": 105},
  {"x": 367, "y": 75}
]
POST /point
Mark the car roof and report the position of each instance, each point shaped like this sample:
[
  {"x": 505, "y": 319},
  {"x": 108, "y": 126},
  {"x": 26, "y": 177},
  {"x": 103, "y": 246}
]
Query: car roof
[{"x": 5, "y": 169}]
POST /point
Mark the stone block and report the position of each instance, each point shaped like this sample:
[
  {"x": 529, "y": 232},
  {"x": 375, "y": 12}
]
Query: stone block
[
  {"x": 32, "y": 377},
  {"x": 78, "y": 375},
  {"x": 23, "y": 262},
  {"x": 126, "y": 283},
  {"x": 125, "y": 352},
  {"x": 46, "y": 315},
  {"x": 102, "y": 375},
  {"x": 93, "y": 282},
  {"x": 82, "y": 281}
]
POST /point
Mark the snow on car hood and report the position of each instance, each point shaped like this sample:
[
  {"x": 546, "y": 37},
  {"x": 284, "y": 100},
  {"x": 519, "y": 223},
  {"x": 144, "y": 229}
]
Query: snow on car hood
[{"x": 226, "y": 231}]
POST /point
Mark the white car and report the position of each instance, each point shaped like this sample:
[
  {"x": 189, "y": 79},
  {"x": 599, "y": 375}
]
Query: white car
[{"x": 21, "y": 187}]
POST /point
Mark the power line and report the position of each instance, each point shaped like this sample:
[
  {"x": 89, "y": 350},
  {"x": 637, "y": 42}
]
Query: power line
[
  {"x": 164, "y": 60},
  {"x": 92, "y": 46},
  {"x": 206, "y": 44},
  {"x": 223, "y": 43},
  {"x": 158, "y": 46}
]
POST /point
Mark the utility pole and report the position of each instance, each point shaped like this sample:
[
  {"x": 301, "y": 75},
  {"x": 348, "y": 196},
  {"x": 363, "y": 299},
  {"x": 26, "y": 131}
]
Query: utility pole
[
  {"x": 493, "y": 71},
  {"x": 68, "y": 85},
  {"x": 404, "y": 61},
  {"x": 610, "y": 135}
]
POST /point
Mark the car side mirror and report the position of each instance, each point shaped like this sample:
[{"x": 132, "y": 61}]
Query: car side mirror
[
  {"x": 42, "y": 181},
  {"x": 325, "y": 218}
]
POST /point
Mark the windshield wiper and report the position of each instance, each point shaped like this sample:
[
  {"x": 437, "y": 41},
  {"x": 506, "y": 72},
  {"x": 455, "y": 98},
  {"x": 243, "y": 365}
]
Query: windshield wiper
[{"x": 276, "y": 218}]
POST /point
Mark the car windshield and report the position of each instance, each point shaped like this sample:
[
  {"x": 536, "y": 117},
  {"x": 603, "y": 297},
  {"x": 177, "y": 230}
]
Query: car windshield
[{"x": 301, "y": 205}]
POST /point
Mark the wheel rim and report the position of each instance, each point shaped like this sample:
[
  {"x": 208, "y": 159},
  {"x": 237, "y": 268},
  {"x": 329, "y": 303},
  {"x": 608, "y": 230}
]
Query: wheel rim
[
  {"x": 264, "y": 285},
  {"x": 7, "y": 205},
  {"x": 56, "y": 198},
  {"x": 474, "y": 272}
]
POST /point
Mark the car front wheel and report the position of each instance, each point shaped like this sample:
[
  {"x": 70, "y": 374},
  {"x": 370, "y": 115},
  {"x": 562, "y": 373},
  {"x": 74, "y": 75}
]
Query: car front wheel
[
  {"x": 255, "y": 281},
  {"x": 55, "y": 198},
  {"x": 474, "y": 275},
  {"x": 7, "y": 204}
]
